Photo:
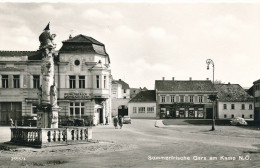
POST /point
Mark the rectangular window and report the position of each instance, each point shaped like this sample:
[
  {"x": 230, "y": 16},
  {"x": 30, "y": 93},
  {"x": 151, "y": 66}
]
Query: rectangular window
[
  {"x": 232, "y": 115},
  {"x": 105, "y": 81},
  {"x": 243, "y": 116},
  {"x": 124, "y": 90},
  {"x": 181, "y": 98},
  {"x": 36, "y": 81},
  {"x": 150, "y": 109},
  {"x": 251, "y": 116},
  {"x": 5, "y": 81},
  {"x": 243, "y": 106},
  {"x": 250, "y": 106},
  {"x": 232, "y": 107},
  {"x": 163, "y": 99},
  {"x": 191, "y": 98},
  {"x": 134, "y": 109},
  {"x": 172, "y": 99},
  {"x": 225, "y": 116},
  {"x": 34, "y": 111},
  {"x": 16, "y": 81},
  {"x": 97, "y": 80},
  {"x": 72, "y": 82},
  {"x": 77, "y": 109},
  {"x": 81, "y": 81},
  {"x": 200, "y": 99},
  {"x": 224, "y": 106},
  {"x": 141, "y": 109},
  {"x": 257, "y": 99}
]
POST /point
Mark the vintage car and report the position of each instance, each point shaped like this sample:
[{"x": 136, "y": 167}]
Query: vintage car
[
  {"x": 126, "y": 120},
  {"x": 238, "y": 121}
]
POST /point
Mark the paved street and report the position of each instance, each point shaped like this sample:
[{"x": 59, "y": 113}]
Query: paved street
[{"x": 138, "y": 144}]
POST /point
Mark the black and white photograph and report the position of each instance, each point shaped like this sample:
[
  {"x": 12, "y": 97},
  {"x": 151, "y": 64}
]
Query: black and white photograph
[{"x": 121, "y": 83}]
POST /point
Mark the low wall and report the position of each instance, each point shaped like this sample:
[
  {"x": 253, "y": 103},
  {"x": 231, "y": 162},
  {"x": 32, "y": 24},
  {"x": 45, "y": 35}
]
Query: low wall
[{"x": 41, "y": 137}]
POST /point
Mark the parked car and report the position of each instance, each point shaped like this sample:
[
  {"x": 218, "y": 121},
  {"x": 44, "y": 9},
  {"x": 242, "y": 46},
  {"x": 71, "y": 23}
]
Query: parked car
[
  {"x": 126, "y": 120},
  {"x": 238, "y": 121}
]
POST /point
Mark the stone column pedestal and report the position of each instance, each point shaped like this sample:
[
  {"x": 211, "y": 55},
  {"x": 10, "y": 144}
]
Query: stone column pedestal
[{"x": 47, "y": 117}]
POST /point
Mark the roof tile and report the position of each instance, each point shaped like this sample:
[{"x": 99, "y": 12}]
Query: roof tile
[
  {"x": 232, "y": 93},
  {"x": 144, "y": 96},
  {"x": 191, "y": 85}
]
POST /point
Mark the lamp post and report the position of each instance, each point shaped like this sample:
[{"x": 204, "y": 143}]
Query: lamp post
[{"x": 212, "y": 98}]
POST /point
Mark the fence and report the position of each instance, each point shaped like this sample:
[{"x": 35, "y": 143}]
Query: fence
[{"x": 40, "y": 137}]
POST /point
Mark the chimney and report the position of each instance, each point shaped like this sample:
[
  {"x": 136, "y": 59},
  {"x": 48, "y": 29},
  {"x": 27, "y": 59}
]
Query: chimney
[
  {"x": 163, "y": 78},
  {"x": 207, "y": 78},
  {"x": 229, "y": 83},
  {"x": 173, "y": 78},
  {"x": 190, "y": 78},
  {"x": 119, "y": 79}
]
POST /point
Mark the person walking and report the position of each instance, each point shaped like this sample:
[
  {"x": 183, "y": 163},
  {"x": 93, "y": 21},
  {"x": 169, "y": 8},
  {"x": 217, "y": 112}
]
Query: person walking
[
  {"x": 115, "y": 120},
  {"x": 120, "y": 122},
  {"x": 11, "y": 122}
]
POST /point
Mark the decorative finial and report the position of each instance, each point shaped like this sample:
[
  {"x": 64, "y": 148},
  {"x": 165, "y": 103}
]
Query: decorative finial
[{"x": 47, "y": 27}]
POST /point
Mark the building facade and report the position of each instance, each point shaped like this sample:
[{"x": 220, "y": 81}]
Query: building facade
[
  {"x": 256, "y": 93},
  {"x": 83, "y": 80},
  {"x": 120, "y": 97},
  {"x": 143, "y": 105},
  {"x": 234, "y": 101},
  {"x": 184, "y": 99}
]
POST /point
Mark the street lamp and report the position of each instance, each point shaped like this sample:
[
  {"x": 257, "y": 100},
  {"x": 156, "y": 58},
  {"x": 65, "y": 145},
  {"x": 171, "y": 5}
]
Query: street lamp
[{"x": 212, "y": 97}]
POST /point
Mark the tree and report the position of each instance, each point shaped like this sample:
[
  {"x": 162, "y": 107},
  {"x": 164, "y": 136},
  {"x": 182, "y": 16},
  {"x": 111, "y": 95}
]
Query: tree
[{"x": 218, "y": 82}]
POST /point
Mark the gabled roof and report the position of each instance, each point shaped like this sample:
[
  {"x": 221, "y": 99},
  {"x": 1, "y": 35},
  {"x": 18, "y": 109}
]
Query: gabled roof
[
  {"x": 83, "y": 39},
  {"x": 124, "y": 85},
  {"x": 99, "y": 66},
  {"x": 232, "y": 93},
  {"x": 144, "y": 96},
  {"x": 83, "y": 44},
  {"x": 190, "y": 85}
]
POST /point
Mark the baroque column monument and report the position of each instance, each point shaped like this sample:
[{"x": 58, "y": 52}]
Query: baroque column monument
[{"x": 47, "y": 110}]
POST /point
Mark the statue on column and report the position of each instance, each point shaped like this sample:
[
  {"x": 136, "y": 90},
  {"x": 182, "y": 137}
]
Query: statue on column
[
  {"x": 47, "y": 68},
  {"x": 53, "y": 94},
  {"x": 48, "y": 108}
]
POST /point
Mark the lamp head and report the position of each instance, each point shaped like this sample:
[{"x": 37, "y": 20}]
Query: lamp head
[{"x": 208, "y": 67}]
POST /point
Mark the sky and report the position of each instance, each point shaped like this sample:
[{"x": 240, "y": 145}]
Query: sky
[{"x": 149, "y": 40}]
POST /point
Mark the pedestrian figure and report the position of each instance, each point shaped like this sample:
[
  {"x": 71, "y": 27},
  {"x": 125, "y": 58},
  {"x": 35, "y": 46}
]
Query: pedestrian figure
[
  {"x": 106, "y": 120},
  {"x": 115, "y": 122},
  {"x": 120, "y": 121},
  {"x": 11, "y": 122}
]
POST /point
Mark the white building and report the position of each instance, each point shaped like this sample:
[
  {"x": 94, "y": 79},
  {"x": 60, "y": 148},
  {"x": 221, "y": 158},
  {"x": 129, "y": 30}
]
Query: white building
[
  {"x": 143, "y": 105},
  {"x": 82, "y": 75},
  {"x": 234, "y": 101},
  {"x": 120, "y": 97}
]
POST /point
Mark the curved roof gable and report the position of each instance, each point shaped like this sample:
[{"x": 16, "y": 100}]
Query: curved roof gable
[{"x": 82, "y": 39}]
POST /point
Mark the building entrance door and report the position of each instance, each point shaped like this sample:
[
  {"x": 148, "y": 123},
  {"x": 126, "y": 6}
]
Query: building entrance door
[
  {"x": 100, "y": 111},
  {"x": 122, "y": 111},
  {"x": 11, "y": 110},
  {"x": 209, "y": 113}
]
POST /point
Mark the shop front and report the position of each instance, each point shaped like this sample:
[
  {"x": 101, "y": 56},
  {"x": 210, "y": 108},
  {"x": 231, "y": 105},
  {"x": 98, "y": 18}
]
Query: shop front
[{"x": 182, "y": 110}]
